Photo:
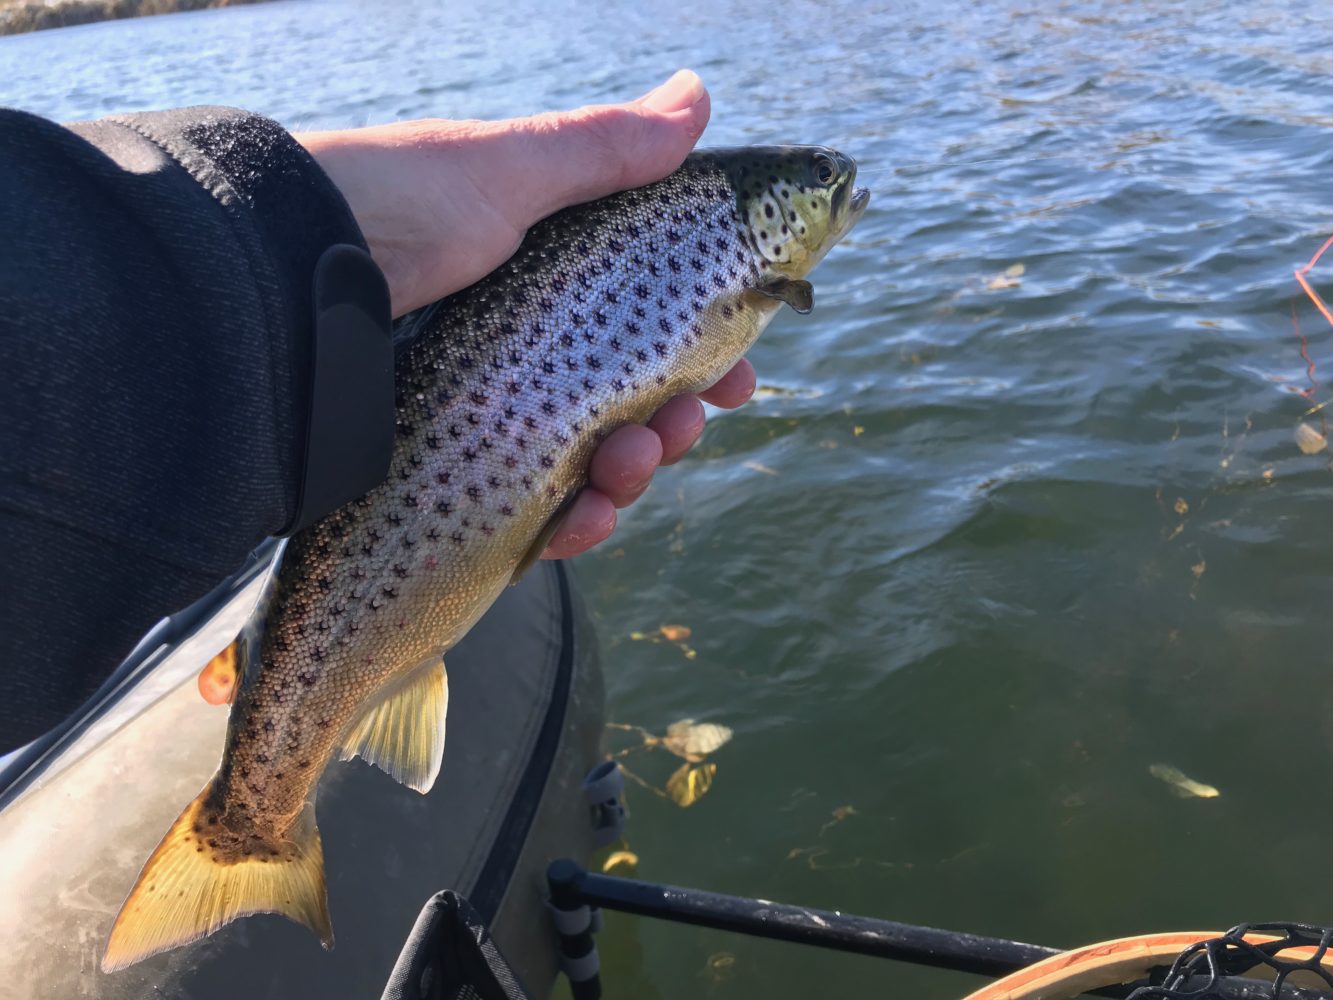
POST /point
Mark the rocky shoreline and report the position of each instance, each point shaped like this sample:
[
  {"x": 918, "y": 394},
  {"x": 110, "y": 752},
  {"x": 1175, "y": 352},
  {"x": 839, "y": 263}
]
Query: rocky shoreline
[{"x": 18, "y": 16}]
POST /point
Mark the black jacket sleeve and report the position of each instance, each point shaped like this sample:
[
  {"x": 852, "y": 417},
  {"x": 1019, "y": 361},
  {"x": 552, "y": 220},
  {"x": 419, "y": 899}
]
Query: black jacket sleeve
[{"x": 158, "y": 357}]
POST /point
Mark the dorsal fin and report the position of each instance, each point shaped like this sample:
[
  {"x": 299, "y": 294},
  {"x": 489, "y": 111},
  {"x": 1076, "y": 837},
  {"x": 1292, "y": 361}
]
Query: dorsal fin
[
  {"x": 220, "y": 677},
  {"x": 403, "y": 731}
]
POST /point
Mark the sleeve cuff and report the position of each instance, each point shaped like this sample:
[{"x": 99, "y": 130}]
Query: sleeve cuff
[{"x": 328, "y": 312}]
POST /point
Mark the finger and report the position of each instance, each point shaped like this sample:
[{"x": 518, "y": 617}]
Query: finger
[
  {"x": 590, "y": 520},
  {"x": 623, "y": 464},
  {"x": 733, "y": 388},
  {"x": 678, "y": 425},
  {"x": 591, "y": 152}
]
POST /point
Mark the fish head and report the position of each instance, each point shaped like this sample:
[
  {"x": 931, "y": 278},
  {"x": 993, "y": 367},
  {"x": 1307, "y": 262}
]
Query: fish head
[{"x": 795, "y": 201}]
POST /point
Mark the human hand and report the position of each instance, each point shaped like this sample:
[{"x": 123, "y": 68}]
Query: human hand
[{"x": 443, "y": 203}]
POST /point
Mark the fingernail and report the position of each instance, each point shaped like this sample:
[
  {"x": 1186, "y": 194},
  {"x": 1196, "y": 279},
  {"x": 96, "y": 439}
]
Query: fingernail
[{"x": 680, "y": 92}]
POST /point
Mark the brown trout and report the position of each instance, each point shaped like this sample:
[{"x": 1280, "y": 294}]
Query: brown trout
[{"x": 605, "y": 312}]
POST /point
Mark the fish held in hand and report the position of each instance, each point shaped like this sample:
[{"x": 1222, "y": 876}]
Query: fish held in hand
[{"x": 605, "y": 312}]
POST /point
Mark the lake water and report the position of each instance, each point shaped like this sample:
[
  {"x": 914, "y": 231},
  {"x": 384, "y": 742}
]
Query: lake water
[{"x": 991, "y": 544}]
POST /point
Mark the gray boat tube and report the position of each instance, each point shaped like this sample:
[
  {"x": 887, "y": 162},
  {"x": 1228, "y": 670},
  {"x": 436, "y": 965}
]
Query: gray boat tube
[{"x": 82, "y": 809}]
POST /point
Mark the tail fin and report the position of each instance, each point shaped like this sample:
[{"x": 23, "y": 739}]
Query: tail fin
[{"x": 187, "y": 889}]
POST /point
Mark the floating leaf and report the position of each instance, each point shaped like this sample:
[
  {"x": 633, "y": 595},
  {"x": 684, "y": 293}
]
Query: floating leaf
[
  {"x": 1181, "y": 784},
  {"x": 768, "y": 391},
  {"x": 1309, "y": 440},
  {"x": 621, "y": 859},
  {"x": 695, "y": 740},
  {"x": 675, "y": 633},
  {"x": 1008, "y": 278},
  {"x": 839, "y": 814},
  {"x": 689, "y": 783}
]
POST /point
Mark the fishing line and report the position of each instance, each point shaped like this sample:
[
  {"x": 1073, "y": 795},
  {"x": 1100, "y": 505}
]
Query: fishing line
[{"x": 1314, "y": 297}]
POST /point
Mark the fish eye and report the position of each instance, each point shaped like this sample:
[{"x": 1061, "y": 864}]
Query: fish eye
[{"x": 826, "y": 171}]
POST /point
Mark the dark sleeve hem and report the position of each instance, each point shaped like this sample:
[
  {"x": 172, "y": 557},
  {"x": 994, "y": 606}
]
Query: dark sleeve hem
[{"x": 286, "y": 214}]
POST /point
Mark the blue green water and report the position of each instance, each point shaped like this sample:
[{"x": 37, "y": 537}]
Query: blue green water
[{"x": 991, "y": 544}]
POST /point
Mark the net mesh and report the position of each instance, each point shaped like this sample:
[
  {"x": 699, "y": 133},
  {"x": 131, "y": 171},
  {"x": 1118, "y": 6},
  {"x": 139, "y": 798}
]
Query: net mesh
[{"x": 1213, "y": 969}]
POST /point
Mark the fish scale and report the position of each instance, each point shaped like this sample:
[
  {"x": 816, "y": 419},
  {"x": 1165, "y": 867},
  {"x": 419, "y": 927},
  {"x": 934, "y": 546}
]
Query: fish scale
[{"x": 605, "y": 312}]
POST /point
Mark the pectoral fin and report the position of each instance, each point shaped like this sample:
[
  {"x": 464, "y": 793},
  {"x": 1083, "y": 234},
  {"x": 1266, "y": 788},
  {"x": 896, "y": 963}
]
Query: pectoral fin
[
  {"x": 797, "y": 294},
  {"x": 543, "y": 539},
  {"x": 403, "y": 732}
]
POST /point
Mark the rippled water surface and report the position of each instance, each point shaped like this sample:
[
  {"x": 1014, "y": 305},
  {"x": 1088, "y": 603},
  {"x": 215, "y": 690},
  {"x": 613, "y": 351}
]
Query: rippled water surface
[{"x": 990, "y": 544}]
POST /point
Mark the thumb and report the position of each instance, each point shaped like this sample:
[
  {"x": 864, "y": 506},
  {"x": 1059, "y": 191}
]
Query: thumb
[{"x": 601, "y": 149}]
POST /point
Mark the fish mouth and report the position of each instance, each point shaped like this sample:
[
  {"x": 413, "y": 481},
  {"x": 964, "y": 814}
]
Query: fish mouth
[{"x": 855, "y": 208}]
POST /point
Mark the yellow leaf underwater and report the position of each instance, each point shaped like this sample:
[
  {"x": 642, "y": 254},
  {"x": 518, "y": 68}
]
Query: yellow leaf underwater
[
  {"x": 689, "y": 783},
  {"x": 720, "y": 967},
  {"x": 621, "y": 859},
  {"x": 1309, "y": 440},
  {"x": 695, "y": 740},
  {"x": 1181, "y": 784}
]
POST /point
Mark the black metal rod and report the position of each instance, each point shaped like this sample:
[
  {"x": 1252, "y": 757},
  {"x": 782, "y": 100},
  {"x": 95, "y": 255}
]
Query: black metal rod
[
  {"x": 943, "y": 949},
  {"x": 561, "y": 880},
  {"x": 784, "y": 922}
]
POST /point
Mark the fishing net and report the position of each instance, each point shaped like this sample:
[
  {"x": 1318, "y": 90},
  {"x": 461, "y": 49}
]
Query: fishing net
[
  {"x": 1279, "y": 961},
  {"x": 451, "y": 956}
]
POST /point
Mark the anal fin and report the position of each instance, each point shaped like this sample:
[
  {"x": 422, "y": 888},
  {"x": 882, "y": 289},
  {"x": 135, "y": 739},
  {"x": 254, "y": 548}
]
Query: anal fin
[{"x": 403, "y": 732}]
